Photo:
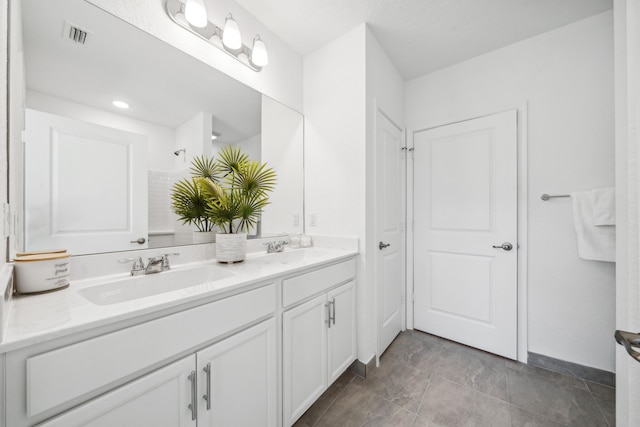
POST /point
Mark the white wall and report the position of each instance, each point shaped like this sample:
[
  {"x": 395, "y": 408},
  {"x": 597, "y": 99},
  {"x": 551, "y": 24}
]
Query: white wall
[
  {"x": 384, "y": 92},
  {"x": 283, "y": 149},
  {"x": 281, "y": 79},
  {"x": 335, "y": 143},
  {"x": 565, "y": 77},
  {"x": 195, "y": 136},
  {"x": 344, "y": 82}
]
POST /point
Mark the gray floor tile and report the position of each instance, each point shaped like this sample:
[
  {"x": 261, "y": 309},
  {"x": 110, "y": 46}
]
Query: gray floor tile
[
  {"x": 426, "y": 381},
  {"x": 522, "y": 418},
  {"x": 397, "y": 382},
  {"x": 448, "y": 404},
  {"x": 399, "y": 419},
  {"x": 482, "y": 372},
  {"x": 314, "y": 413},
  {"x": 553, "y": 399},
  {"x": 552, "y": 377},
  {"x": 416, "y": 349},
  {"x": 358, "y": 406},
  {"x": 605, "y": 397}
]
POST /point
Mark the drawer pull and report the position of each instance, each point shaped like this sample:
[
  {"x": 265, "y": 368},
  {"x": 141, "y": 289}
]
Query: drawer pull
[
  {"x": 332, "y": 312},
  {"x": 194, "y": 403},
  {"x": 207, "y": 396}
]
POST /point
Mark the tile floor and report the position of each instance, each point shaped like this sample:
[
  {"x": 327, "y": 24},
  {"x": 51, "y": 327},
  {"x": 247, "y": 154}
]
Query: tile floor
[{"x": 426, "y": 381}]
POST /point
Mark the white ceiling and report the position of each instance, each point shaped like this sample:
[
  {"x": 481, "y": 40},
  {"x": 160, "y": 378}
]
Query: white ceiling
[{"x": 420, "y": 36}]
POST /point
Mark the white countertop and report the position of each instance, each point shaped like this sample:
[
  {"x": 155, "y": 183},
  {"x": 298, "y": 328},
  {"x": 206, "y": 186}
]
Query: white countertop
[{"x": 38, "y": 318}]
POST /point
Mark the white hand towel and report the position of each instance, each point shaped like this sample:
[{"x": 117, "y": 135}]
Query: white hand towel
[
  {"x": 597, "y": 243},
  {"x": 603, "y": 201}
]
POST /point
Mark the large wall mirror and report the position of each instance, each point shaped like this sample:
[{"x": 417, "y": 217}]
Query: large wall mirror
[{"x": 92, "y": 177}]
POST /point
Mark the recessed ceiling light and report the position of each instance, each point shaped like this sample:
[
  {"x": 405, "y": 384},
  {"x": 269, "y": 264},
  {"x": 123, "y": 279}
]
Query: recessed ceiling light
[{"x": 121, "y": 104}]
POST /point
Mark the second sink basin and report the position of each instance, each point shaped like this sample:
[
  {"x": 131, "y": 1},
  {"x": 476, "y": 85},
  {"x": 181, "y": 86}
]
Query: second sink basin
[{"x": 132, "y": 288}]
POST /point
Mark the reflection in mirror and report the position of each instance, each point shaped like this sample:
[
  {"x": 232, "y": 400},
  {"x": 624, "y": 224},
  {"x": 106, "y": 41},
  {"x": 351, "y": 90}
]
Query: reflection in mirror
[{"x": 97, "y": 177}]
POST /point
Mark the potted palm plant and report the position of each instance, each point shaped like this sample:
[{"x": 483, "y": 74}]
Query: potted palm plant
[
  {"x": 235, "y": 201},
  {"x": 190, "y": 204}
]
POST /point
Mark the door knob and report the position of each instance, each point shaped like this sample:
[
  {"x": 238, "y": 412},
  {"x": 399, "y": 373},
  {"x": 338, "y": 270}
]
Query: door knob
[
  {"x": 629, "y": 341},
  {"x": 506, "y": 246},
  {"x": 140, "y": 241},
  {"x": 381, "y": 246}
]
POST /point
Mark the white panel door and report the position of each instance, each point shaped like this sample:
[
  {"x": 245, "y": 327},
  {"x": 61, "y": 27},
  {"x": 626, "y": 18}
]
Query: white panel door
[
  {"x": 465, "y": 188},
  {"x": 160, "y": 399},
  {"x": 304, "y": 358},
  {"x": 389, "y": 233},
  {"x": 85, "y": 186},
  {"x": 238, "y": 378},
  {"x": 342, "y": 329}
]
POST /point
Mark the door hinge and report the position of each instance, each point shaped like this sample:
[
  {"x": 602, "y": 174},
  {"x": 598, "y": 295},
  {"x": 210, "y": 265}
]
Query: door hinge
[{"x": 23, "y": 136}]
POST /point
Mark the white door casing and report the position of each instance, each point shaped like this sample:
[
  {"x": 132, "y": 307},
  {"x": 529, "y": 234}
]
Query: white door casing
[
  {"x": 85, "y": 186},
  {"x": 465, "y": 202},
  {"x": 390, "y": 155}
]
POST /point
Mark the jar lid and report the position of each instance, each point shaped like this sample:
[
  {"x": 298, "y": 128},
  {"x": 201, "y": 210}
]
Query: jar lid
[
  {"x": 50, "y": 251},
  {"x": 41, "y": 257}
]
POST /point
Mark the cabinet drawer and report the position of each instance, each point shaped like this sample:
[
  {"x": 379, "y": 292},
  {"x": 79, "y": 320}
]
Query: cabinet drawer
[
  {"x": 300, "y": 287},
  {"x": 68, "y": 373}
]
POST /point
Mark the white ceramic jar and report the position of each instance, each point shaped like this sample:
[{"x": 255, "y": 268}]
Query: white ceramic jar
[{"x": 43, "y": 272}]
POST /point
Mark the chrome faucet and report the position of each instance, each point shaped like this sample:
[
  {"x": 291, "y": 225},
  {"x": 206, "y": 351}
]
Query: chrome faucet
[
  {"x": 273, "y": 247},
  {"x": 154, "y": 264}
]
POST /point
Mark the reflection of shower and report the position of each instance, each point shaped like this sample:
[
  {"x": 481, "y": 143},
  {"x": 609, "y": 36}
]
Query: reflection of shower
[{"x": 184, "y": 154}]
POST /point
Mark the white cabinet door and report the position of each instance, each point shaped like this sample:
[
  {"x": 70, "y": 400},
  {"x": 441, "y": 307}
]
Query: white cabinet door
[
  {"x": 342, "y": 330},
  {"x": 304, "y": 356},
  {"x": 237, "y": 379},
  {"x": 159, "y": 399}
]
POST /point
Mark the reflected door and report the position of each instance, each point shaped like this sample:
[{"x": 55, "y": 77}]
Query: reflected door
[
  {"x": 464, "y": 206},
  {"x": 85, "y": 186}
]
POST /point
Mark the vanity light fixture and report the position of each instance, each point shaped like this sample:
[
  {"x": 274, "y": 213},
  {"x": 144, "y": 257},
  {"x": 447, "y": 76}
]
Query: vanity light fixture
[
  {"x": 231, "y": 34},
  {"x": 195, "y": 13},
  {"x": 185, "y": 14}
]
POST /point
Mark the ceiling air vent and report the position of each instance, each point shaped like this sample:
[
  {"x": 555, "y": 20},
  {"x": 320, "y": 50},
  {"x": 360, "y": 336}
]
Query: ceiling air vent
[{"x": 74, "y": 33}]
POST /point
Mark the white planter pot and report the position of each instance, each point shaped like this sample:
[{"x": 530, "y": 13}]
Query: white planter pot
[
  {"x": 204, "y": 236},
  {"x": 231, "y": 247}
]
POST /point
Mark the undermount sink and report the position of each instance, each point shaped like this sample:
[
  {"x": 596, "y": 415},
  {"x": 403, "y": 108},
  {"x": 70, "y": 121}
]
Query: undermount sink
[{"x": 132, "y": 288}]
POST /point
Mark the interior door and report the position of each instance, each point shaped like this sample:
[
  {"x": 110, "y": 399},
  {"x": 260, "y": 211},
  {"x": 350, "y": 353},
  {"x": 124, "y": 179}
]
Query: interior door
[
  {"x": 465, "y": 213},
  {"x": 390, "y": 158},
  {"x": 85, "y": 186}
]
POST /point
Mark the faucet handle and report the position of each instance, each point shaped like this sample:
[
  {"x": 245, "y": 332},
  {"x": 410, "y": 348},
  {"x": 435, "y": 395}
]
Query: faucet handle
[
  {"x": 165, "y": 260},
  {"x": 138, "y": 265}
]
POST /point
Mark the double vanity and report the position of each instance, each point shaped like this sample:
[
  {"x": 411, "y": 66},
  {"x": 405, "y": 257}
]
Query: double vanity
[{"x": 248, "y": 344}]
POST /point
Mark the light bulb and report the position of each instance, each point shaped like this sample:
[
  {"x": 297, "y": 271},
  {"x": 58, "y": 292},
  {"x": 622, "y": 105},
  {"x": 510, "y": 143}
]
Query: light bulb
[
  {"x": 196, "y": 13},
  {"x": 120, "y": 104},
  {"x": 259, "y": 54},
  {"x": 231, "y": 34}
]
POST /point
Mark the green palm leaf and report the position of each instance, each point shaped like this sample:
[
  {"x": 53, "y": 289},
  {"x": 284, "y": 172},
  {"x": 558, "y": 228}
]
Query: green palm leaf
[{"x": 206, "y": 167}]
